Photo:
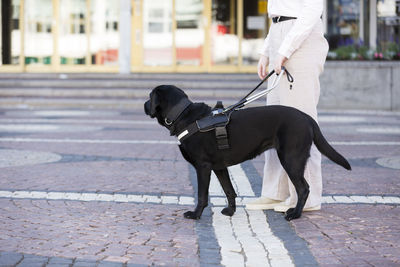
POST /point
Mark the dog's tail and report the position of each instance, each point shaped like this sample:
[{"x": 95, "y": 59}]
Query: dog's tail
[{"x": 325, "y": 148}]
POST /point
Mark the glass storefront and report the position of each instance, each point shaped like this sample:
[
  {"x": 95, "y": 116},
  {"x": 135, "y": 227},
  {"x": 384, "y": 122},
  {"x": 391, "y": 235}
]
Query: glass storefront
[
  {"x": 104, "y": 32},
  {"x": 38, "y": 39},
  {"x": 343, "y": 23},
  {"x": 72, "y": 44},
  {"x": 224, "y": 33},
  {"x": 157, "y": 33},
  {"x": 189, "y": 33},
  {"x": 171, "y": 35},
  {"x": 388, "y": 13},
  {"x": 254, "y": 30}
]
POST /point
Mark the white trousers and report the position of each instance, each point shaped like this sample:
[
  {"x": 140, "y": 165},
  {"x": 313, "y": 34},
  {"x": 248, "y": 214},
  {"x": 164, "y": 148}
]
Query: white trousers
[{"x": 305, "y": 65}]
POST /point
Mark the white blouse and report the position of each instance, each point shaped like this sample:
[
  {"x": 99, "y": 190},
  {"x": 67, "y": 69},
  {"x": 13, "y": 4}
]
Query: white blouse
[{"x": 307, "y": 12}]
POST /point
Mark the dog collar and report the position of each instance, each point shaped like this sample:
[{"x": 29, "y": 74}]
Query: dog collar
[{"x": 176, "y": 111}]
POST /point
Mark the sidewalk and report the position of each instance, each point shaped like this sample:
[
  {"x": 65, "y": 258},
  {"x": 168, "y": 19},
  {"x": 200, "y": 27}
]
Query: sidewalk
[{"x": 86, "y": 186}]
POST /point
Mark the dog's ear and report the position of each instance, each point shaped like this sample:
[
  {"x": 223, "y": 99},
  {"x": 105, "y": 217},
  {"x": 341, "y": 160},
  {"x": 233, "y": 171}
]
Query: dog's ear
[{"x": 154, "y": 104}]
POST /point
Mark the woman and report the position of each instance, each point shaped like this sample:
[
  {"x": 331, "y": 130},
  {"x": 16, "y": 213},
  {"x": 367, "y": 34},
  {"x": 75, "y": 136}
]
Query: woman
[{"x": 296, "y": 41}]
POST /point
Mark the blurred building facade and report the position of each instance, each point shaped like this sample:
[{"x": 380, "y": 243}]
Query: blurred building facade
[{"x": 167, "y": 35}]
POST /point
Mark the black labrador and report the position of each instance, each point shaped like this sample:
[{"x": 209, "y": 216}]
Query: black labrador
[{"x": 251, "y": 131}]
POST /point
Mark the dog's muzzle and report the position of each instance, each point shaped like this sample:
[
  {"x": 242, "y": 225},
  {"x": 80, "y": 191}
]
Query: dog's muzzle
[{"x": 147, "y": 108}]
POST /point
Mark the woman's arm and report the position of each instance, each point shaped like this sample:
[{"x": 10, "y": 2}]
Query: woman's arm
[
  {"x": 264, "y": 59},
  {"x": 310, "y": 15}
]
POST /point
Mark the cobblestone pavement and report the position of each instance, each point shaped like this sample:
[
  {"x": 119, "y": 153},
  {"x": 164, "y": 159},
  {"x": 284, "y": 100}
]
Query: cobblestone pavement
[{"x": 86, "y": 187}]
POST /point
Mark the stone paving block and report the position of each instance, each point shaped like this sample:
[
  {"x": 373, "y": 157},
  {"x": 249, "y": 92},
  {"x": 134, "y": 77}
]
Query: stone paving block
[
  {"x": 139, "y": 259},
  {"x": 136, "y": 265},
  {"x": 169, "y": 200},
  {"x": 186, "y": 201},
  {"x": 10, "y": 258},
  {"x": 60, "y": 261},
  {"x": 84, "y": 263},
  {"x": 110, "y": 264},
  {"x": 153, "y": 199},
  {"x": 33, "y": 261},
  {"x": 6, "y": 194},
  {"x": 59, "y": 264}
]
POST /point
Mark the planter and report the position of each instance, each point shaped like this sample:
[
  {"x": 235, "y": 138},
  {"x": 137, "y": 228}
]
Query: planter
[{"x": 360, "y": 85}]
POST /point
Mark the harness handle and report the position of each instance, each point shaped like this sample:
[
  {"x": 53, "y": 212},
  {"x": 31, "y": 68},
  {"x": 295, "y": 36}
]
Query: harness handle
[
  {"x": 246, "y": 100},
  {"x": 263, "y": 80}
]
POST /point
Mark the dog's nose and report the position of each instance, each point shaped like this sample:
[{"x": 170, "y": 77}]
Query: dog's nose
[{"x": 147, "y": 107}]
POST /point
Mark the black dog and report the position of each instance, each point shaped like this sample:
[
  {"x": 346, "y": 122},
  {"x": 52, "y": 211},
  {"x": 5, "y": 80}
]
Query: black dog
[{"x": 251, "y": 131}]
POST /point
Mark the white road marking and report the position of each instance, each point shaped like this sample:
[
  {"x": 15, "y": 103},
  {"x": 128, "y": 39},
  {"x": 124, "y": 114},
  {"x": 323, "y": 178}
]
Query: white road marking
[
  {"x": 165, "y": 142},
  {"x": 380, "y": 130},
  {"x": 358, "y": 199},
  {"x": 35, "y": 128},
  {"x": 62, "y": 113},
  {"x": 106, "y": 197},
  {"x": 239, "y": 181},
  {"x": 84, "y": 121},
  {"x": 46, "y": 113},
  {"x": 340, "y": 119},
  {"x": 365, "y": 143},
  {"x": 217, "y": 201},
  {"x": 249, "y": 241},
  {"x": 87, "y": 141}
]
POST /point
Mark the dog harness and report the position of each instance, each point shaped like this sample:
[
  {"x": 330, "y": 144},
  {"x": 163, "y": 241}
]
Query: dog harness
[
  {"x": 215, "y": 121},
  {"x": 220, "y": 118}
]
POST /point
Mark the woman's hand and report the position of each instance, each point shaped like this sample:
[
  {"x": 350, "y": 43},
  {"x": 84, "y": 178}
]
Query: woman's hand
[
  {"x": 262, "y": 66},
  {"x": 279, "y": 62}
]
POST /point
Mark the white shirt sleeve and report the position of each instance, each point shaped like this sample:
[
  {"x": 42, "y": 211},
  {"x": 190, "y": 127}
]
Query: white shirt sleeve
[{"x": 302, "y": 27}]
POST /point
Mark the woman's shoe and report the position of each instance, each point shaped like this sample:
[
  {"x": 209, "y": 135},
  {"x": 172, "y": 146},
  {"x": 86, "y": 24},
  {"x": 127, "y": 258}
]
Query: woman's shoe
[{"x": 263, "y": 203}]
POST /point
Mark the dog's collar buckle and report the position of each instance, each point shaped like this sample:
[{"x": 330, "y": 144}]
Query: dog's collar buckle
[{"x": 167, "y": 122}]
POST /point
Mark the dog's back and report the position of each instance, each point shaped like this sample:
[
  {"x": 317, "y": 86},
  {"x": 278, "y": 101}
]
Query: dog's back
[{"x": 255, "y": 130}]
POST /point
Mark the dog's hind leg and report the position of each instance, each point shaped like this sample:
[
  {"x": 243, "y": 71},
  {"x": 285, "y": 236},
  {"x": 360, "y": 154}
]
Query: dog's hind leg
[
  {"x": 203, "y": 184},
  {"x": 295, "y": 166},
  {"x": 223, "y": 178}
]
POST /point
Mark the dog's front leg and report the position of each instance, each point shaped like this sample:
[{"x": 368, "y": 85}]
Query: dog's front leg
[
  {"x": 203, "y": 184},
  {"x": 223, "y": 178}
]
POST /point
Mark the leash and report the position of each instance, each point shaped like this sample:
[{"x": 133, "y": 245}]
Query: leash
[{"x": 248, "y": 99}]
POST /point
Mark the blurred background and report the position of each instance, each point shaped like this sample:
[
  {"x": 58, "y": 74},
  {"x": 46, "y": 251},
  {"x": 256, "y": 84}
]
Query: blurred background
[{"x": 175, "y": 35}]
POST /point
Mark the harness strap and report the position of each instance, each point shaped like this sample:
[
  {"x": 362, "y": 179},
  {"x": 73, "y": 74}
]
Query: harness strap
[
  {"x": 222, "y": 137},
  {"x": 189, "y": 131},
  {"x": 217, "y": 123}
]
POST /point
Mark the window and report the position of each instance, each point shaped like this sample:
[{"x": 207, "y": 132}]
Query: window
[
  {"x": 388, "y": 12},
  {"x": 343, "y": 22}
]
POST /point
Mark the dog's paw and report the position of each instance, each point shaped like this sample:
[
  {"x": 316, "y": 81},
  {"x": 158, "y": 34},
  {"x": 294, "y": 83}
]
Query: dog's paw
[
  {"x": 191, "y": 215},
  {"x": 292, "y": 214},
  {"x": 228, "y": 211}
]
